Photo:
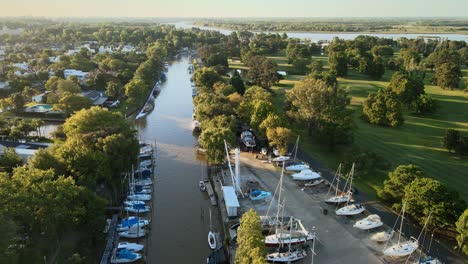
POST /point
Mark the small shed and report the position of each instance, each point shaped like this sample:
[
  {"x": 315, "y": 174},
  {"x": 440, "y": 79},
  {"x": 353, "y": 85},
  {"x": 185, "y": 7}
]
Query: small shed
[{"x": 230, "y": 200}]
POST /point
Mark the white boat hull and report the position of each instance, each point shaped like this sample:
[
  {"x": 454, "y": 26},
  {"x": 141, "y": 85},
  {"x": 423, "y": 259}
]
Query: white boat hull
[
  {"x": 401, "y": 250},
  {"x": 314, "y": 183},
  {"x": 139, "y": 211},
  {"x": 133, "y": 247},
  {"x": 281, "y": 159},
  {"x": 382, "y": 236},
  {"x": 139, "y": 197},
  {"x": 352, "y": 209},
  {"x": 338, "y": 199},
  {"x": 286, "y": 256},
  {"x": 133, "y": 233},
  {"x": 141, "y": 223},
  {"x": 370, "y": 222},
  {"x": 297, "y": 167},
  {"x": 306, "y": 175},
  {"x": 285, "y": 239}
]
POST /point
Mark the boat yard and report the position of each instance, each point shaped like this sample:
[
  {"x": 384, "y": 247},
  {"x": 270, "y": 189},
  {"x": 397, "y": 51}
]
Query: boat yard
[{"x": 337, "y": 241}]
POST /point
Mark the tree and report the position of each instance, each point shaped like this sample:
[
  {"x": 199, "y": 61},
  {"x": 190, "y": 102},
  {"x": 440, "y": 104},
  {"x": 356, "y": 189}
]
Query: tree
[
  {"x": 209, "y": 105},
  {"x": 425, "y": 105},
  {"x": 18, "y": 102},
  {"x": 451, "y": 139},
  {"x": 114, "y": 89},
  {"x": 272, "y": 121},
  {"x": 212, "y": 140},
  {"x": 447, "y": 75},
  {"x": 10, "y": 160},
  {"x": 237, "y": 82},
  {"x": 393, "y": 188},
  {"x": 279, "y": 138},
  {"x": 384, "y": 51},
  {"x": 383, "y": 108},
  {"x": 136, "y": 90},
  {"x": 67, "y": 86},
  {"x": 71, "y": 103},
  {"x": 323, "y": 109},
  {"x": 407, "y": 88},
  {"x": 462, "y": 229},
  {"x": 251, "y": 248},
  {"x": 206, "y": 77},
  {"x": 262, "y": 71},
  {"x": 425, "y": 196},
  {"x": 259, "y": 112}
]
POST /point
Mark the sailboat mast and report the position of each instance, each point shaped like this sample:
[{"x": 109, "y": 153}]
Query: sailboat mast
[
  {"x": 401, "y": 224},
  {"x": 279, "y": 199},
  {"x": 295, "y": 148}
]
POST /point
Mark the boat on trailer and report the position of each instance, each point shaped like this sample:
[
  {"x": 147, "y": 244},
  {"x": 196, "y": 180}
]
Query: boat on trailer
[
  {"x": 343, "y": 197},
  {"x": 248, "y": 139},
  {"x": 306, "y": 175},
  {"x": 372, "y": 221}
]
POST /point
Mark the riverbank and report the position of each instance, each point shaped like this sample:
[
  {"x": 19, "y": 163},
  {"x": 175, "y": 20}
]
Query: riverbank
[{"x": 337, "y": 240}]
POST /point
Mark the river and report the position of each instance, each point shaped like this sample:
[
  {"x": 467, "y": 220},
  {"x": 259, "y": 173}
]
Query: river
[
  {"x": 180, "y": 216},
  {"x": 316, "y": 36}
]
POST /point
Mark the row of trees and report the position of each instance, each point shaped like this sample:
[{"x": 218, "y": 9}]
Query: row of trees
[
  {"x": 408, "y": 185},
  {"x": 454, "y": 141},
  {"x": 63, "y": 189}
]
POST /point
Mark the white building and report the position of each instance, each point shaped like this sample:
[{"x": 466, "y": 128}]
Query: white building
[
  {"x": 39, "y": 98},
  {"x": 230, "y": 200},
  {"x": 80, "y": 75},
  {"x": 105, "y": 49}
]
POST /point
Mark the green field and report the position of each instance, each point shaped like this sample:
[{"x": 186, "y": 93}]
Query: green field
[{"x": 418, "y": 141}]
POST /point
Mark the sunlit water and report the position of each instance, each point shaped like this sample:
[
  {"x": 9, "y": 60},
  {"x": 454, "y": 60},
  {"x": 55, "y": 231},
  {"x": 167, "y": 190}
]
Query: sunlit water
[{"x": 180, "y": 217}]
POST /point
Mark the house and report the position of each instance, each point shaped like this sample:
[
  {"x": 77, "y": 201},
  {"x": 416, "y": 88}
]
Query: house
[
  {"x": 97, "y": 97},
  {"x": 40, "y": 97},
  {"x": 128, "y": 48},
  {"x": 103, "y": 49},
  {"x": 24, "y": 149},
  {"x": 4, "y": 85},
  {"x": 80, "y": 75}
]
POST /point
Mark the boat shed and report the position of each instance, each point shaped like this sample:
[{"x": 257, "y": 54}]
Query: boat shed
[{"x": 230, "y": 200}]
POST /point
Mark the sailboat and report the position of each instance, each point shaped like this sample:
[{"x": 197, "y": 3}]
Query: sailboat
[
  {"x": 289, "y": 256},
  {"x": 402, "y": 249},
  {"x": 124, "y": 256},
  {"x": 345, "y": 196},
  {"x": 351, "y": 209},
  {"x": 130, "y": 222},
  {"x": 306, "y": 175},
  {"x": 132, "y": 247},
  {"x": 383, "y": 236},
  {"x": 133, "y": 232},
  {"x": 282, "y": 236},
  {"x": 296, "y": 166},
  {"x": 372, "y": 221},
  {"x": 211, "y": 236}
]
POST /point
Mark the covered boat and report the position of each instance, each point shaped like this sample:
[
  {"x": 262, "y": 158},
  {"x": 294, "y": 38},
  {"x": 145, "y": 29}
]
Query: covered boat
[
  {"x": 383, "y": 236},
  {"x": 288, "y": 237},
  {"x": 297, "y": 166},
  {"x": 372, "y": 221},
  {"x": 306, "y": 175},
  {"x": 202, "y": 186},
  {"x": 248, "y": 139},
  {"x": 133, "y": 232},
  {"x": 137, "y": 208},
  {"x": 256, "y": 194},
  {"x": 133, "y": 247},
  {"x": 286, "y": 257},
  {"x": 212, "y": 240},
  {"x": 352, "y": 209},
  {"x": 132, "y": 221},
  {"x": 124, "y": 256},
  {"x": 402, "y": 249},
  {"x": 139, "y": 197}
]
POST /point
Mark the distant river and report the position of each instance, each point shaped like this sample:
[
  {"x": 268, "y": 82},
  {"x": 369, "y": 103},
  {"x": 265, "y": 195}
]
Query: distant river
[{"x": 330, "y": 36}]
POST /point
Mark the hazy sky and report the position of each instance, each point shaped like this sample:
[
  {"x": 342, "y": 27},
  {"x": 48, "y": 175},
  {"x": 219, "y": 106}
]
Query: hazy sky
[{"x": 234, "y": 8}]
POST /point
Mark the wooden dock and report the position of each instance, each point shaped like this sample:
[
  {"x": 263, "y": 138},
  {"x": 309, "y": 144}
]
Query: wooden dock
[
  {"x": 111, "y": 239},
  {"x": 209, "y": 190}
]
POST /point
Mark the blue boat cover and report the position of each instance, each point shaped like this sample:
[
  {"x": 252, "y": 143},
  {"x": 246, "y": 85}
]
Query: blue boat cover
[
  {"x": 129, "y": 222},
  {"x": 125, "y": 254},
  {"x": 255, "y": 192},
  {"x": 139, "y": 206}
]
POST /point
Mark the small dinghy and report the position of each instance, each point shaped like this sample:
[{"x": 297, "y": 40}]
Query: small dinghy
[
  {"x": 132, "y": 247},
  {"x": 314, "y": 183},
  {"x": 372, "y": 221},
  {"x": 286, "y": 257},
  {"x": 256, "y": 194},
  {"x": 383, "y": 236},
  {"x": 212, "y": 240},
  {"x": 281, "y": 159},
  {"x": 132, "y": 221},
  {"x": 298, "y": 166},
  {"x": 306, "y": 175},
  {"x": 402, "y": 249},
  {"x": 124, "y": 256},
  {"x": 133, "y": 232},
  {"x": 202, "y": 186},
  {"x": 352, "y": 209}
]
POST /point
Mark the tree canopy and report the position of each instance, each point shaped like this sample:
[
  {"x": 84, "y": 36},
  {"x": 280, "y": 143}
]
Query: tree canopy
[{"x": 251, "y": 248}]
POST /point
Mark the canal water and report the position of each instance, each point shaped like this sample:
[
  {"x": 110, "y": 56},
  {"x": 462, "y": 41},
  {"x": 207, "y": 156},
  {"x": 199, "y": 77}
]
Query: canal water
[{"x": 180, "y": 216}]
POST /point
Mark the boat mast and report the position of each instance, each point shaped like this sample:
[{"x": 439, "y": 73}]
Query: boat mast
[
  {"x": 401, "y": 224},
  {"x": 295, "y": 148},
  {"x": 279, "y": 199}
]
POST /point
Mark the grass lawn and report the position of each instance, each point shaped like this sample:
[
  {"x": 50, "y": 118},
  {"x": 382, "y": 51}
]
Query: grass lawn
[{"x": 418, "y": 141}]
